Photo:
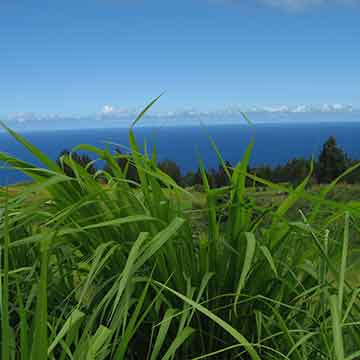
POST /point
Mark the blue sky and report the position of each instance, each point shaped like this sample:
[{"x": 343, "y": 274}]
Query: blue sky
[{"x": 74, "y": 57}]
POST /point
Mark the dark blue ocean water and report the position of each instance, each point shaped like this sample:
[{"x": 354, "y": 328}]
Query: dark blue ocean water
[{"x": 274, "y": 143}]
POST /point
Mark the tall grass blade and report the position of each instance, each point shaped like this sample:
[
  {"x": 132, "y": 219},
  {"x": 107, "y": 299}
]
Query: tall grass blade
[
  {"x": 163, "y": 332},
  {"x": 24, "y": 327},
  {"x": 32, "y": 149},
  {"x": 73, "y": 320},
  {"x": 228, "y": 328},
  {"x": 249, "y": 255},
  {"x": 5, "y": 321},
  {"x": 344, "y": 257},
  {"x": 337, "y": 328},
  {"x": 179, "y": 340},
  {"x": 40, "y": 339},
  {"x": 98, "y": 342},
  {"x": 129, "y": 269}
]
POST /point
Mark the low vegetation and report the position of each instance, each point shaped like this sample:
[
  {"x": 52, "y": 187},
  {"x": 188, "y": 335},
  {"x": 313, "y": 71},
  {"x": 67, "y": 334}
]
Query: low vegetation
[
  {"x": 142, "y": 269},
  {"x": 330, "y": 164}
]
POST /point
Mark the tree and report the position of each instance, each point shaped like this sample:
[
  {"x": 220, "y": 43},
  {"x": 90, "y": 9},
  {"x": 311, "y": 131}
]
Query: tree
[
  {"x": 125, "y": 164},
  {"x": 172, "y": 169},
  {"x": 196, "y": 179},
  {"x": 188, "y": 179},
  {"x": 294, "y": 171},
  {"x": 332, "y": 162},
  {"x": 264, "y": 172},
  {"x": 221, "y": 178},
  {"x": 354, "y": 176},
  {"x": 82, "y": 159}
]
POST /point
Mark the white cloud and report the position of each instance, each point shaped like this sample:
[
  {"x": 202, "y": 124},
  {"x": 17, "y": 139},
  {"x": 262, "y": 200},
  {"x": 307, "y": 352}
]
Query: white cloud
[
  {"x": 281, "y": 108},
  {"x": 108, "y": 109},
  {"x": 114, "y": 112},
  {"x": 110, "y": 112},
  {"x": 23, "y": 117},
  {"x": 296, "y": 5},
  {"x": 293, "y": 4}
]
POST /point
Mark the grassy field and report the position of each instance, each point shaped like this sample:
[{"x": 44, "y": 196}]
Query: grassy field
[{"x": 155, "y": 271}]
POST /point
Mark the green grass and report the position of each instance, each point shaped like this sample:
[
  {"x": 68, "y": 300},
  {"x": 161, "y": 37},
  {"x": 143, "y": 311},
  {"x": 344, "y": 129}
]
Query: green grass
[{"x": 155, "y": 271}]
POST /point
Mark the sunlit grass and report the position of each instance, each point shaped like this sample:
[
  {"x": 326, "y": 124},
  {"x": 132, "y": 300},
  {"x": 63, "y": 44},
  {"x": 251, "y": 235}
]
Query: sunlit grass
[{"x": 154, "y": 271}]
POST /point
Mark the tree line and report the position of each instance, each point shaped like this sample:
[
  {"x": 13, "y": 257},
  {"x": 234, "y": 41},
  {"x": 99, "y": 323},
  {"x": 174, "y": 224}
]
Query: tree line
[{"x": 331, "y": 163}]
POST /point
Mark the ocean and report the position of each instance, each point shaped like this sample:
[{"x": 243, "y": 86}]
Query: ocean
[{"x": 273, "y": 143}]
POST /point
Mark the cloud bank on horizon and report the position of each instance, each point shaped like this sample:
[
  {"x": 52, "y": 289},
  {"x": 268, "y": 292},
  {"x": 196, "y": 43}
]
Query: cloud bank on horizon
[{"x": 112, "y": 112}]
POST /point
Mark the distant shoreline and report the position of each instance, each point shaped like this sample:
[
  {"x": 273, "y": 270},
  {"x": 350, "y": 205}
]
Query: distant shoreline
[{"x": 275, "y": 143}]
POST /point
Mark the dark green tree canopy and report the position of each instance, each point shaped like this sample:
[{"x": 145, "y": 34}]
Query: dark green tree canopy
[
  {"x": 170, "y": 168},
  {"x": 332, "y": 161},
  {"x": 82, "y": 159},
  {"x": 123, "y": 160}
]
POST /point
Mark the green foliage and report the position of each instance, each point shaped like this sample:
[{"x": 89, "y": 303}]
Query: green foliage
[
  {"x": 332, "y": 162},
  {"x": 123, "y": 270},
  {"x": 66, "y": 158},
  {"x": 125, "y": 164},
  {"x": 172, "y": 169}
]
